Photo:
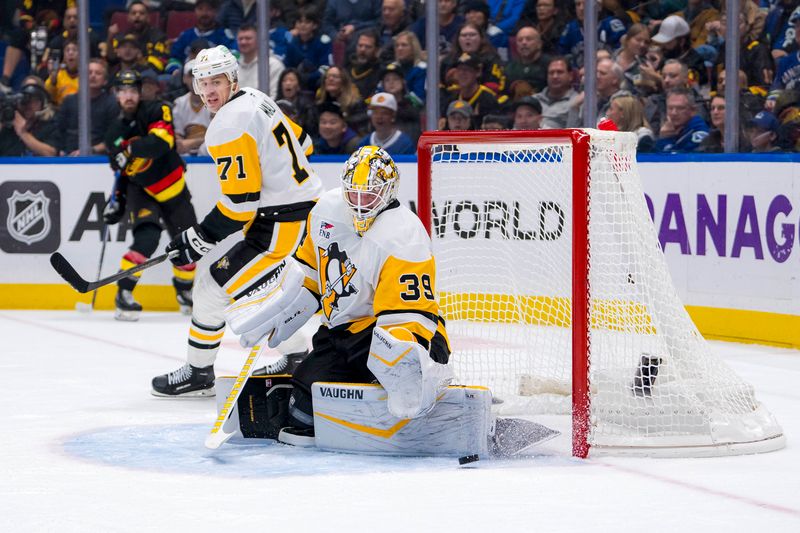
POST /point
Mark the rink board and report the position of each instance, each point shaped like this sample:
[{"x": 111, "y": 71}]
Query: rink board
[{"x": 729, "y": 225}]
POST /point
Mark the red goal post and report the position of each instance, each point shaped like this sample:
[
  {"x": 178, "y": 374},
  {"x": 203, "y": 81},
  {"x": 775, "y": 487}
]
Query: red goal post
[
  {"x": 635, "y": 399},
  {"x": 580, "y": 244}
]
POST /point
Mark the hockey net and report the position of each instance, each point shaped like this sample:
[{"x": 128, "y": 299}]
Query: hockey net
[{"x": 557, "y": 296}]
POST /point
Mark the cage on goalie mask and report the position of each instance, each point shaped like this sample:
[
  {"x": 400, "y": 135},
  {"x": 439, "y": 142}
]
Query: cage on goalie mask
[{"x": 369, "y": 183}]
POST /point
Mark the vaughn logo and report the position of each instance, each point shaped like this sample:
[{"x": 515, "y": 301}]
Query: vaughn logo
[
  {"x": 31, "y": 214},
  {"x": 343, "y": 394}
]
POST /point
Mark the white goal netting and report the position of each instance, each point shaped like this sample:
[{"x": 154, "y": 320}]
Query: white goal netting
[{"x": 502, "y": 235}]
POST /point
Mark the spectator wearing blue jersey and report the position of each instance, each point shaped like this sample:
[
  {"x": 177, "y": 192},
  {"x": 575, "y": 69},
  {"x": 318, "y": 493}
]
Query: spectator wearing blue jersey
[
  {"x": 408, "y": 54},
  {"x": 382, "y": 109},
  {"x": 684, "y": 130},
  {"x": 344, "y": 17},
  {"x": 778, "y": 31},
  {"x": 505, "y": 14},
  {"x": 335, "y": 136},
  {"x": 206, "y": 28},
  {"x": 477, "y": 12},
  {"x": 788, "y": 74},
  {"x": 393, "y": 21},
  {"x": 610, "y": 31},
  {"x": 762, "y": 132},
  {"x": 308, "y": 50},
  {"x": 449, "y": 24}
]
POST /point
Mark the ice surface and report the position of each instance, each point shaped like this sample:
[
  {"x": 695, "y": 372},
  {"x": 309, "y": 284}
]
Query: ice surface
[{"x": 86, "y": 448}]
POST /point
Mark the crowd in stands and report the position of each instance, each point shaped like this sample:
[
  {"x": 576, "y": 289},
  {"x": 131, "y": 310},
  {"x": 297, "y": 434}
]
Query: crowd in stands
[{"x": 354, "y": 73}]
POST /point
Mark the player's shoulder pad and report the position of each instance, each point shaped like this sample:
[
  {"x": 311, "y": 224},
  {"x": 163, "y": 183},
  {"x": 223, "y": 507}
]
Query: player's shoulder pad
[{"x": 399, "y": 233}]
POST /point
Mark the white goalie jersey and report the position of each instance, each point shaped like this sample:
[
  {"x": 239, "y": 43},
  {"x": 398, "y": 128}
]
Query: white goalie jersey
[
  {"x": 261, "y": 158},
  {"x": 388, "y": 275}
]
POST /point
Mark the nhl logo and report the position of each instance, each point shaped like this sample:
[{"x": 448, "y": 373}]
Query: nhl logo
[
  {"x": 31, "y": 211},
  {"x": 28, "y": 218}
]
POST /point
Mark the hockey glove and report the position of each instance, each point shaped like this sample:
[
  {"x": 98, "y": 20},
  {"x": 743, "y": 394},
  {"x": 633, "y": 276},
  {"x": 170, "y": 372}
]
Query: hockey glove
[
  {"x": 119, "y": 160},
  {"x": 115, "y": 207},
  {"x": 191, "y": 245},
  {"x": 113, "y": 211}
]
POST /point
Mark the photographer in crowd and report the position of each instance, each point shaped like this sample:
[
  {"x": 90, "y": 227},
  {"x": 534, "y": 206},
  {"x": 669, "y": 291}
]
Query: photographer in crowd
[{"x": 26, "y": 122}]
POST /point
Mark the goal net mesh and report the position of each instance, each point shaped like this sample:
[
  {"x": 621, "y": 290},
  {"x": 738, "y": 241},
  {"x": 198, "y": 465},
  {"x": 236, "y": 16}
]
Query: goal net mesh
[{"x": 502, "y": 237}]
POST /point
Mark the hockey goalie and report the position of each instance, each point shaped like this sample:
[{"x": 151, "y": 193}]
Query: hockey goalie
[{"x": 377, "y": 379}]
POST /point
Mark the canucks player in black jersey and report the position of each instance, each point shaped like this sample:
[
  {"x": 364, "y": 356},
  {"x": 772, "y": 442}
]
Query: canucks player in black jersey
[{"x": 151, "y": 188}]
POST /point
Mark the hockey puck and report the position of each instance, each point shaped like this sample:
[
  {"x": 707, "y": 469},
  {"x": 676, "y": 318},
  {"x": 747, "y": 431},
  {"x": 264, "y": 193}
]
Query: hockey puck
[{"x": 468, "y": 459}]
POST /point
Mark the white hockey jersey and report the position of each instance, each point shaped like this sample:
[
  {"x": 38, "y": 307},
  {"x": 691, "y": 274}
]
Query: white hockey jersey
[
  {"x": 387, "y": 275},
  {"x": 261, "y": 159}
]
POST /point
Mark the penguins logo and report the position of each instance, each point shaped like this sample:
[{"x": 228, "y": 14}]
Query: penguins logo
[{"x": 336, "y": 271}]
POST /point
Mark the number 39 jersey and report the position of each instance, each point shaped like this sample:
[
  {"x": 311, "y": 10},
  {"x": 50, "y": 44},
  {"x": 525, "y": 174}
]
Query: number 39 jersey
[
  {"x": 388, "y": 275},
  {"x": 261, "y": 160}
]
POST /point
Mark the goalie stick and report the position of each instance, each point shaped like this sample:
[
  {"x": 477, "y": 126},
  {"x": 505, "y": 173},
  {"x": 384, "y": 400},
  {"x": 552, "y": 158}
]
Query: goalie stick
[
  {"x": 71, "y": 276},
  {"x": 218, "y": 436}
]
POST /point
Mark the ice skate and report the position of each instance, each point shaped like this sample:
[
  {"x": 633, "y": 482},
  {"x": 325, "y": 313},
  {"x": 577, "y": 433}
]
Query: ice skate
[
  {"x": 186, "y": 382},
  {"x": 302, "y": 437},
  {"x": 285, "y": 365},
  {"x": 185, "y": 302},
  {"x": 127, "y": 309}
]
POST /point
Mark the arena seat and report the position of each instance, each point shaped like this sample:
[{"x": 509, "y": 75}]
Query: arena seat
[{"x": 178, "y": 22}]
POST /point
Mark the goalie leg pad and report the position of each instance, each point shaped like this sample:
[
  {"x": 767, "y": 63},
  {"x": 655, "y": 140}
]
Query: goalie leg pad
[
  {"x": 411, "y": 378},
  {"x": 355, "y": 418},
  {"x": 262, "y": 408}
]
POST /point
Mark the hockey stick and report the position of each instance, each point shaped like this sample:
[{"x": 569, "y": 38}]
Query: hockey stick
[
  {"x": 67, "y": 271},
  {"x": 218, "y": 436},
  {"x": 100, "y": 263},
  {"x": 81, "y": 306}
]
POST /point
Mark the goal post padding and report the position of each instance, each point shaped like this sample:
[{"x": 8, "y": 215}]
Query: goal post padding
[{"x": 558, "y": 298}]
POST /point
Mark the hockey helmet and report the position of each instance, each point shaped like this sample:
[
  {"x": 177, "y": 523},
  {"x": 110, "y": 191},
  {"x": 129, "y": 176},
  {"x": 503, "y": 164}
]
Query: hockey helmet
[
  {"x": 369, "y": 184},
  {"x": 212, "y": 62},
  {"x": 128, "y": 78}
]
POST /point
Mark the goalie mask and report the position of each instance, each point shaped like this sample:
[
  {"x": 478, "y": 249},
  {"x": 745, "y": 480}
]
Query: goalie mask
[
  {"x": 369, "y": 184},
  {"x": 212, "y": 62}
]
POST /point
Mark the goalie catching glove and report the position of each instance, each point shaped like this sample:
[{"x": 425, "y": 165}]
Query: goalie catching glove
[
  {"x": 413, "y": 381},
  {"x": 191, "y": 245},
  {"x": 281, "y": 307}
]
